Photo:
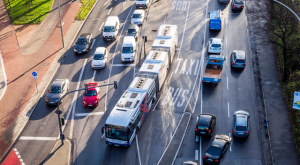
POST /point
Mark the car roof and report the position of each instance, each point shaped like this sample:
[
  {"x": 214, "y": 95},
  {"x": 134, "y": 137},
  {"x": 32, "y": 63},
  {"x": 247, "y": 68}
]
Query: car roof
[
  {"x": 204, "y": 120},
  {"x": 218, "y": 143},
  {"x": 100, "y": 50},
  {"x": 57, "y": 83},
  {"x": 216, "y": 40},
  {"x": 132, "y": 26},
  {"x": 240, "y": 54},
  {"x": 139, "y": 11},
  {"x": 85, "y": 35},
  {"x": 241, "y": 120}
]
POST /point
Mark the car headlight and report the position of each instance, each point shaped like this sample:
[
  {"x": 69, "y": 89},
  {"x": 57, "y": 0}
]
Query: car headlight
[
  {"x": 122, "y": 57},
  {"x": 104, "y": 36},
  {"x": 46, "y": 98},
  {"x": 102, "y": 64},
  {"x": 96, "y": 101},
  {"x": 131, "y": 58},
  {"x": 92, "y": 65},
  {"x": 75, "y": 50},
  {"x": 84, "y": 50},
  {"x": 84, "y": 102}
]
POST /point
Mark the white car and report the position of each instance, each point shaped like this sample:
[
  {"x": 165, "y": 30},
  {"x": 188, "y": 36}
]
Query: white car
[
  {"x": 138, "y": 17},
  {"x": 215, "y": 45},
  {"x": 99, "y": 58}
]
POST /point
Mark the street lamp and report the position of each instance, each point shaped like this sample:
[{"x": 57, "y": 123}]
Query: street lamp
[
  {"x": 62, "y": 33},
  {"x": 288, "y": 8}
]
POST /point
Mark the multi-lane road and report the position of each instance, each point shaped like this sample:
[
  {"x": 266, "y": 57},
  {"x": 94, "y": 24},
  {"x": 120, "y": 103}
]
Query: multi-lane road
[{"x": 167, "y": 135}]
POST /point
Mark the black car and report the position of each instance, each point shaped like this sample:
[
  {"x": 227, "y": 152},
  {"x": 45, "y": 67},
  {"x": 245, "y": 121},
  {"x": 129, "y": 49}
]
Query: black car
[
  {"x": 83, "y": 43},
  {"x": 56, "y": 91},
  {"x": 205, "y": 125},
  {"x": 237, "y": 5},
  {"x": 217, "y": 149}
]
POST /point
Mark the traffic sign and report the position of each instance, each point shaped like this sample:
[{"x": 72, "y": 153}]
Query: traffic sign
[
  {"x": 34, "y": 74},
  {"x": 35, "y": 77}
]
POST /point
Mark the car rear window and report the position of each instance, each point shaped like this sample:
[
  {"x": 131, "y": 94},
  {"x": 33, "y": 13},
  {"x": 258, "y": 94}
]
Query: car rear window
[
  {"x": 239, "y": 2},
  {"x": 216, "y": 45},
  {"x": 240, "y": 60},
  {"x": 214, "y": 150},
  {"x": 204, "y": 121},
  {"x": 240, "y": 128}
]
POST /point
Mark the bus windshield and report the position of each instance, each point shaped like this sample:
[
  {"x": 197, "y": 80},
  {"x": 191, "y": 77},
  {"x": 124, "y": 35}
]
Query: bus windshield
[{"x": 116, "y": 132}]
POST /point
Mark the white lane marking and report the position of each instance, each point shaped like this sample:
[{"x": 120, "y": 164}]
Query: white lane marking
[
  {"x": 92, "y": 44},
  {"x": 137, "y": 146},
  {"x": 187, "y": 14},
  {"x": 112, "y": 62},
  {"x": 227, "y": 63},
  {"x": 156, "y": 104},
  {"x": 94, "y": 76},
  {"x": 228, "y": 109},
  {"x": 38, "y": 138},
  {"x": 124, "y": 3},
  {"x": 230, "y": 143},
  {"x": 196, "y": 154},
  {"x": 109, "y": 11},
  {"x": 170, "y": 78},
  {"x": 4, "y": 75},
  {"x": 179, "y": 61},
  {"x": 101, "y": 26},
  {"x": 103, "y": 136},
  {"x": 123, "y": 65},
  {"x": 226, "y": 41},
  {"x": 227, "y": 83},
  {"x": 197, "y": 138},
  {"x": 19, "y": 156},
  {"x": 75, "y": 102},
  {"x": 200, "y": 162},
  {"x": 178, "y": 49},
  {"x": 105, "y": 2},
  {"x": 89, "y": 114}
]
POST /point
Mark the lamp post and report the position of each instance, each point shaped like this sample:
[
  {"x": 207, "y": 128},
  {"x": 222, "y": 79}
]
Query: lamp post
[
  {"x": 62, "y": 33},
  {"x": 288, "y": 8}
]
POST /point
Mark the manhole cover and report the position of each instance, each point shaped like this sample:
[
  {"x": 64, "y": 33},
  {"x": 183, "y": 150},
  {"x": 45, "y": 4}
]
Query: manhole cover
[{"x": 45, "y": 64}]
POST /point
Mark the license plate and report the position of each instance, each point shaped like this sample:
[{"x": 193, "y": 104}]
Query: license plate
[
  {"x": 209, "y": 159},
  {"x": 117, "y": 145},
  {"x": 140, "y": 7},
  {"x": 79, "y": 52},
  {"x": 90, "y": 105},
  {"x": 241, "y": 133},
  {"x": 203, "y": 132},
  {"x": 51, "y": 102}
]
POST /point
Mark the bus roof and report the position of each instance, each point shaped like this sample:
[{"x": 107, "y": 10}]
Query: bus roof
[
  {"x": 154, "y": 61},
  {"x": 166, "y": 31},
  {"x": 162, "y": 43},
  {"x": 130, "y": 102}
]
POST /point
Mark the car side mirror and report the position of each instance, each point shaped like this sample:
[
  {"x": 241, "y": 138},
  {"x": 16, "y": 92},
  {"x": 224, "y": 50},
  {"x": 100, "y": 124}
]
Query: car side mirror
[
  {"x": 83, "y": 93},
  {"x": 102, "y": 129}
]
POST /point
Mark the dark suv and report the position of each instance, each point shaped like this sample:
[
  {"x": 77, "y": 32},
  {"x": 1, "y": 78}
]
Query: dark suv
[
  {"x": 205, "y": 125},
  {"x": 241, "y": 123}
]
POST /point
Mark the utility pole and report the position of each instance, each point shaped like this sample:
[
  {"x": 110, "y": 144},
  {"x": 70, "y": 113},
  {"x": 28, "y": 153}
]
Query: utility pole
[{"x": 62, "y": 33}]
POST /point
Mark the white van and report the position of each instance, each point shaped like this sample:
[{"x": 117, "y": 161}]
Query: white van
[
  {"x": 111, "y": 28},
  {"x": 128, "y": 49},
  {"x": 142, "y": 4}
]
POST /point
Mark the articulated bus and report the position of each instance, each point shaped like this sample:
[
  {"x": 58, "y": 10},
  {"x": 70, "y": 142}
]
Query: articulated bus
[{"x": 130, "y": 112}]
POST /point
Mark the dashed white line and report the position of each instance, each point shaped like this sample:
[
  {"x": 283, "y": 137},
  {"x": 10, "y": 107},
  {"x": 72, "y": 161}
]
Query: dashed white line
[
  {"x": 196, "y": 154},
  {"x": 187, "y": 14},
  {"x": 228, "y": 108},
  {"x": 93, "y": 44},
  {"x": 226, "y": 41},
  {"x": 156, "y": 104},
  {"x": 230, "y": 143},
  {"x": 94, "y": 76},
  {"x": 101, "y": 26},
  {"x": 227, "y": 83},
  {"x": 200, "y": 162},
  {"x": 109, "y": 11},
  {"x": 103, "y": 136},
  {"x": 89, "y": 114},
  {"x": 137, "y": 146},
  {"x": 38, "y": 138},
  {"x": 170, "y": 78},
  {"x": 123, "y": 64}
]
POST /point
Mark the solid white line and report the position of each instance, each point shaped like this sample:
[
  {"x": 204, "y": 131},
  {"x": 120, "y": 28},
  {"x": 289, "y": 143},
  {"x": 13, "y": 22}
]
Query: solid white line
[
  {"x": 4, "y": 75},
  {"x": 187, "y": 14},
  {"x": 38, "y": 138},
  {"x": 89, "y": 114},
  {"x": 156, "y": 104},
  {"x": 228, "y": 109},
  {"x": 105, "y": 2},
  {"x": 101, "y": 26},
  {"x": 123, "y": 64},
  {"x": 226, "y": 41},
  {"x": 92, "y": 44},
  {"x": 137, "y": 146},
  {"x": 200, "y": 162},
  {"x": 112, "y": 62},
  {"x": 196, "y": 154},
  {"x": 170, "y": 78},
  {"x": 230, "y": 144},
  {"x": 109, "y": 11},
  {"x": 102, "y": 135},
  {"x": 227, "y": 83},
  {"x": 94, "y": 76}
]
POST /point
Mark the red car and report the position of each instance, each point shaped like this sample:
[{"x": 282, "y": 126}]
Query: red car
[{"x": 91, "y": 97}]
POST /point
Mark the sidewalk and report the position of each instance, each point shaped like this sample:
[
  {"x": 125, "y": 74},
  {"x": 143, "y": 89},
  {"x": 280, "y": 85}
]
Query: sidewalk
[
  {"x": 21, "y": 94},
  {"x": 278, "y": 147}
]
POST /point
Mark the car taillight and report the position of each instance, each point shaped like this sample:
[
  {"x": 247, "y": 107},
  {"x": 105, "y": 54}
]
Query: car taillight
[
  {"x": 203, "y": 81},
  {"x": 209, "y": 131},
  {"x": 242, "y": 7},
  {"x": 233, "y": 131},
  {"x": 204, "y": 157},
  {"x": 234, "y": 7},
  {"x": 244, "y": 64},
  {"x": 233, "y": 63},
  {"x": 196, "y": 130},
  {"x": 217, "y": 82},
  {"x": 216, "y": 160},
  {"x": 247, "y": 132}
]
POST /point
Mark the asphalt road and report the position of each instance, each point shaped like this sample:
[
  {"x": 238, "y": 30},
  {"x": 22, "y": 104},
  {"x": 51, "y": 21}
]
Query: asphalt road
[{"x": 182, "y": 93}]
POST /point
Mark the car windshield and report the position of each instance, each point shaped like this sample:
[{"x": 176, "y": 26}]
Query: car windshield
[
  {"x": 98, "y": 57},
  {"x": 55, "y": 90},
  {"x": 240, "y": 61},
  {"x": 239, "y": 2},
  {"x": 91, "y": 93},
  {"x": 216, "y": 45},
  {"x": 214, "y": 150},
  {"x": 116, "y": 132},
  {"x": 81, "y": 41},
  {"x": 127, "y": 50},
  {"x": 131, "y": 31},
  {"x": 109, "y": 29},
  {"x": 136, "y": 16},
  {"x": 240, "y": 128}
]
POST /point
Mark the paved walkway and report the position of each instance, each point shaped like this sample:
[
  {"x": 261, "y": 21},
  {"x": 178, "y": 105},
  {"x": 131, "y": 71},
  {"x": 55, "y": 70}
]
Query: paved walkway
[
  {"x": 279, "y": 147},
  {"x": 20, "y": 94}
]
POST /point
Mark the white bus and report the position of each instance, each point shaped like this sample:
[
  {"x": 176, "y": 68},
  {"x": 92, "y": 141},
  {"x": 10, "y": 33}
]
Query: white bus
[
  {"x": 130, "y": 112},
  {"x": 155, "y": 66}
]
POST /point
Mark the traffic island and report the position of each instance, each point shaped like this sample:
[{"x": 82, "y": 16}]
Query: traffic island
[{"x": 60, "y": 154}]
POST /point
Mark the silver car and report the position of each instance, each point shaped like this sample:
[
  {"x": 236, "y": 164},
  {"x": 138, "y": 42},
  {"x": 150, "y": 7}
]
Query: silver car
[
  {"x": 241, "y": 123},
  {"x": 238, "y": 59},
  {"x": 59, "y": 88}
]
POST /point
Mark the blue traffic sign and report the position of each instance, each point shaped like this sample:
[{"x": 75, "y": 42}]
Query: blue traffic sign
[{"x": 34, "y": 73}]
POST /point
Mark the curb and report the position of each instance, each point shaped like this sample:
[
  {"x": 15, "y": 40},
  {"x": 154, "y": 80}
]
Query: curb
[{"x": 4, "y": 74}]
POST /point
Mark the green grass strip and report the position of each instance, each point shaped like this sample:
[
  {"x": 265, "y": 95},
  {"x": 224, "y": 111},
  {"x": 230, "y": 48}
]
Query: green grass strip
[
  {"x": 28, "y": 11},
  {"x": 86, "y": 6}
]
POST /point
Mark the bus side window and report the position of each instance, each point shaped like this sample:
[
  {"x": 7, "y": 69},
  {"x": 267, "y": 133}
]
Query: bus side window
[
  {"x": 131, "y": 130},
  {"x": 138, "y": 118}
]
